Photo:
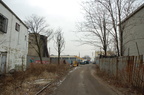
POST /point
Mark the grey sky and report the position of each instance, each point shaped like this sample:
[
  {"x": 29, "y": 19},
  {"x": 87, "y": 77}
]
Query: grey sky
[{"x": 58, "y": 13}]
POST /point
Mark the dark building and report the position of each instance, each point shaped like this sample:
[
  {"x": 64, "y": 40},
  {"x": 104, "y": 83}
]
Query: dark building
[{"x": 37, "y": 41}]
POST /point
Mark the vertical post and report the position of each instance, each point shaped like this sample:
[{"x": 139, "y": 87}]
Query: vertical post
[
  {"x": 49, "y": 56},
  {"x": 137, "y": 48},
  {"x": 117, "y": 67},
  {"x": 22, "y": 63},
  {"x": 128, "y": 51}
]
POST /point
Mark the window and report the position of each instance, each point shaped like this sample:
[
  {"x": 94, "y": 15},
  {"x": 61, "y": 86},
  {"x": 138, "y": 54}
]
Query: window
[
  {"x": 17, "y": 27},
  {"x": 3, "y": 23}
]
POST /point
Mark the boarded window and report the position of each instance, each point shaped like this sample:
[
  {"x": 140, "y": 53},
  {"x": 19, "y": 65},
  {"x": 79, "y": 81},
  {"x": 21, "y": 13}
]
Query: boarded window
[
  {"x": 3, "y": 23},
  {"x": 17, "y": 27}
]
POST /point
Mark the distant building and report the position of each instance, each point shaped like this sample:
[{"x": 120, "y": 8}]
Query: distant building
[
  {"x": 101, "y": 53},
  {"x": 133, "y": 33},
  {"x": 87, "y": 58},
  {"x": 67, "y": 58},
  {"x": 13, "y": 40},
  {"x": 36, "y": 40}
]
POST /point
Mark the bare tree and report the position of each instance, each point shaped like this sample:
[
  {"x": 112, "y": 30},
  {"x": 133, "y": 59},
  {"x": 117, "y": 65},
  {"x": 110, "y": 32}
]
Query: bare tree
[
  {"x": 40, "y": 33},
  {"x": 101, "y": 19},
  {"x": 118, "y": 10},
  {"x": 59, "y": 42},
  {"x": 95, "y": 26}
]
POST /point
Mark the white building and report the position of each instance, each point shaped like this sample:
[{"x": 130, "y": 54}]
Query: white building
[
  {"x": 13, "y": 40},
  {"x": 133, "y": 33}
]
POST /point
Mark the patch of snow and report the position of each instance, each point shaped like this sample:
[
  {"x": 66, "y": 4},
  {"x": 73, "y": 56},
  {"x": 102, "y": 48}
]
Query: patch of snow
[{"x": 42, "y": 81}]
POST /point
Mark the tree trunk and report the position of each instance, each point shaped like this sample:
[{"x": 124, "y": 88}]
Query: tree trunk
[
  {"x": 120, "y": 27},
  {"x": 59, "y": 53},
  {"x": 58, "y": 58},
  {"x": 121, "y": 40},
  {"x": 40, "y": 57},
  {"x": 105, "y": 38}
]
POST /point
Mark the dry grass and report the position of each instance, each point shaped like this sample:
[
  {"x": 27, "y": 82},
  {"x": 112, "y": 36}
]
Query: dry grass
[
  {"x": 111, "y": 79},
  {"x": 122, "y": 86},
  {"x": 26, "y": 82}
]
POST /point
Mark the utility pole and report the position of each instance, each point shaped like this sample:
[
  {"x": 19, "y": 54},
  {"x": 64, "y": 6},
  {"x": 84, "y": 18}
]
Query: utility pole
[
  {"x": 49, "y": 56},
  {"x": 95, "y": 56},
  {"x": 49, "y": 50}
]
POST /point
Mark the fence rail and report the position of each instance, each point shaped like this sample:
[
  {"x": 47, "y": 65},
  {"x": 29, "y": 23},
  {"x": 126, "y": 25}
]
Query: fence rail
[{"x": 128, "y": 69}]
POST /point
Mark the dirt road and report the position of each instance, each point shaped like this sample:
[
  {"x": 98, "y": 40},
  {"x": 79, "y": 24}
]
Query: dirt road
[{"x": 82, "y": 81}]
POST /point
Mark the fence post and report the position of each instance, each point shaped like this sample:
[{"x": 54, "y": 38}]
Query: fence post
[
  {"x": 117, "y": 67},
  {"x": 99, "y": 64}
]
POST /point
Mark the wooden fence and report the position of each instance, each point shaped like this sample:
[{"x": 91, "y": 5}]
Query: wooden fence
[{"x": 128, "y": 69}]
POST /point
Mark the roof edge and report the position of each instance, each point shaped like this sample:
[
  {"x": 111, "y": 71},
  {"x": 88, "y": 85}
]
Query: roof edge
[
  {"x": 13, "y": 13},
  {"x": 133, "y": 13}
]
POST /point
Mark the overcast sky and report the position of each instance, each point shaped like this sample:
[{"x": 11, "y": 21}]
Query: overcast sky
[{"x": 58, "y": 13}]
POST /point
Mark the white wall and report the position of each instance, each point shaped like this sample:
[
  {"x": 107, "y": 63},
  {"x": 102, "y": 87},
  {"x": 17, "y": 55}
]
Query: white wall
[
  {"x": 134, "y": 33},
  {"x": 14, "y": 43}
]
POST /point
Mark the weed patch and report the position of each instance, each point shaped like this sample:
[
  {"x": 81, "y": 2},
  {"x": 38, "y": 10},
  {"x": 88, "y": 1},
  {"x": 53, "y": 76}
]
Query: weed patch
[{"x": 31, "y": 80}]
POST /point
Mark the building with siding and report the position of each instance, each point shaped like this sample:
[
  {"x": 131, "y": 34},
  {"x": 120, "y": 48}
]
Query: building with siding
[
  {"x": 133, "y": 33},
  {"x": 13, "y": 40}
]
